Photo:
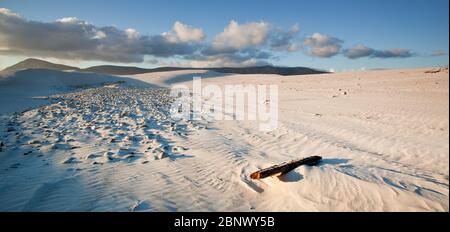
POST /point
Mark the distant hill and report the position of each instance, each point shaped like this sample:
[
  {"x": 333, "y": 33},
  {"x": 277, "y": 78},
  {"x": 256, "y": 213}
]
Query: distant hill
[
  {"x": 116, "y": 70},
  {"x": 126, "y": 70},
  {"x": 38, "y": 64},
  {"x": 284, "y": 71}
]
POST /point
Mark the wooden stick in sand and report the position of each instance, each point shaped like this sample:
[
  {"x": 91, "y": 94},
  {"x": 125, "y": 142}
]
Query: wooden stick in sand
[{"x": 285, "y": 167}]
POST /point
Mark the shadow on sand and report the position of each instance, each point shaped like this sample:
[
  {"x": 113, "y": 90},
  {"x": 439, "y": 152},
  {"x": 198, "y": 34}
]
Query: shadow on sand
[
  {"x": 189, "y": 76},
  {"x": 333, "y": 162},
  {"x": 295, "y": 176},
  {"x": 292, "y": 176}
]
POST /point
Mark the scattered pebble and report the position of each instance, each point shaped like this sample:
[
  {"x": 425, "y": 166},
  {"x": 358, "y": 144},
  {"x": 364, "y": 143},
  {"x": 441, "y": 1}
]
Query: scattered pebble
[
  {"x": 71, "y": 160},
  {"x": 27, "y": 153},
  {"x": 92, "y": 156},
  {"x": 34, "y": 142},
  {"x": 16, "y": 165}
]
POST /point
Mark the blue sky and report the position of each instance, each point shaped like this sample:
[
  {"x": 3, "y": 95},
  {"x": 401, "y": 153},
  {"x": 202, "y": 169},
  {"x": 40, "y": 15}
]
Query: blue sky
[{"x": 419, "y": 27}]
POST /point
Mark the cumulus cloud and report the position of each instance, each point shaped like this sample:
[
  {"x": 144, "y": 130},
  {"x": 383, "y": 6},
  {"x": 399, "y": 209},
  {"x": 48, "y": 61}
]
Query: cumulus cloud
[
  {"x": 285, "y": 40},
  {"x": 71, "y": 38},
  {"x": 251, "y": 43},
  {"x": 242, "y": 57},
  {"x": 222, "y": 60},
  {"x": 392, "y": 53},
  {"x": 99, "y": 35},
  {"x": 184, "y": 33},
  {"x": 132, "y": 33},
  {"x": 237, "y": 36},
  {"x": 359, "y": 51},
  {"x": 70, "y": 20},
  {"x": 438, "y": 52},
  {"x": 8, "y": 12},
  {"x": 320, "y": 45}
]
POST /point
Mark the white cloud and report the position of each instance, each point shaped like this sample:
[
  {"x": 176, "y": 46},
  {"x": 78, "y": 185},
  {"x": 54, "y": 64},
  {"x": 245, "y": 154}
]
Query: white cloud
[
  {"x": 184, "y": 33},
  {"x": 392, "y": 53},
  {"x": 295, "y": 28},
  {"x": 320, "y": 45},
  {"x": 238, "y": 36},
  {"x": 132, "y": 33},
  {"x": 69, "y": 20},
  {"x": 252, "y": 43},
  {"x": 438, "y": 52},
  {"x": 99, "y": 35},
  {"x": 218, "y": 61},
  {"x": 358, "y": 51},
  {"x": 73, "y": 39},
  {"x": 9, "y": 13},
  {"x": 285, "y": 40}
]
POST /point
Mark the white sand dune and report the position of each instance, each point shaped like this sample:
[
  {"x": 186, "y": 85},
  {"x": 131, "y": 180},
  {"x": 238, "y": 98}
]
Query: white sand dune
[
  {"x": 167, "y": 79},
  {"x": 384, "y": 145},
  {"x": 17, "y": 88}
]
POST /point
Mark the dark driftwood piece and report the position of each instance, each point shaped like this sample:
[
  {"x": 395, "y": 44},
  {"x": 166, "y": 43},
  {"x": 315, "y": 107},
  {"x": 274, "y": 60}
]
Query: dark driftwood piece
[
  {"x": 433, "y": 71},
  {"x": 285, "y": 167}
]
